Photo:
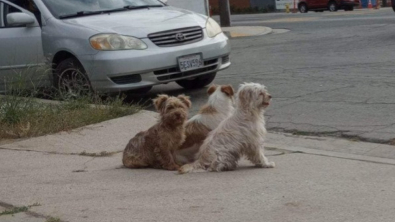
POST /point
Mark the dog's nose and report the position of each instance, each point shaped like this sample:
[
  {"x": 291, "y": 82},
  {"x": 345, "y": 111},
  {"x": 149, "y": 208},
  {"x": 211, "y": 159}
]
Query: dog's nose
[{"x": 270, "y": 96}]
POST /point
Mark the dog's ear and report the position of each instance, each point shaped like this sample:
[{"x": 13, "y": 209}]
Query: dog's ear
[
  {"x": 185, "y": 99},
  {"x": 160, "y": 101},
  {"x": 211, "y": 89},
  {"x": 228, "y": 90},
  {"x": 244, "y": 97}
]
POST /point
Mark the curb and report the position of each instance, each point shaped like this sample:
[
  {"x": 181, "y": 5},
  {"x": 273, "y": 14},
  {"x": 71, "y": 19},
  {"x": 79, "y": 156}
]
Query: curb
[{"x": 239, "y": 34}]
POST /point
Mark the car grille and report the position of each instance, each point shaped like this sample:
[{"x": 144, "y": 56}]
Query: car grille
[
  {"x": 126, "y": 79},
  {"x": 175, "y": 73},
  {"x": 177, "y": 36}
]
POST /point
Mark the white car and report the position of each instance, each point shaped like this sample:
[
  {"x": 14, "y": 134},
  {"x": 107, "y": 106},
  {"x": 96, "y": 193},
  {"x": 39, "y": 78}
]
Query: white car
[{"x": 109, "y": 45}]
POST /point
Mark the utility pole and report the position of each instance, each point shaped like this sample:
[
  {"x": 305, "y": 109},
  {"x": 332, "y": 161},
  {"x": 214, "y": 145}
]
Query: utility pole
[{"x": 224, "y": 13}]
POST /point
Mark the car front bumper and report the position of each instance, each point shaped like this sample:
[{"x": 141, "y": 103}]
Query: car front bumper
[{"x": 115, "y": 71}]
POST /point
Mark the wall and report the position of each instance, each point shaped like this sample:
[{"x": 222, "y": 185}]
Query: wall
[
  {"x": 235, "y": 3},
  {"x": 198, "y": 6},
  {"x": 263, "y": 3},
  {"x": 280, "y": 4}
]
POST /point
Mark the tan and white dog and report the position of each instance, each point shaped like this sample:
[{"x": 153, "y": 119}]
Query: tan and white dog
[
  {"x": 241, "y": 134},
  {"x": 218, "y": 107}
]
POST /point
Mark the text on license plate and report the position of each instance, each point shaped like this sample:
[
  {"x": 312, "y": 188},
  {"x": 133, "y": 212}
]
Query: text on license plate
[{"x": 191, "y": 62}]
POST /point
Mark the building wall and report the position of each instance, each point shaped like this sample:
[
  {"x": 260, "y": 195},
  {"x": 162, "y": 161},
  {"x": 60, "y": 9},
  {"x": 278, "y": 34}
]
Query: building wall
[
  {"x": 263, "y": 3},
  {"x": 235, "y": 3}
]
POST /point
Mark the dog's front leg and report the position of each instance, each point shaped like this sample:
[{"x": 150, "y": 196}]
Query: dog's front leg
[
  {"x": 165, "y": 159},
  {"x": 256, "y": 156}
]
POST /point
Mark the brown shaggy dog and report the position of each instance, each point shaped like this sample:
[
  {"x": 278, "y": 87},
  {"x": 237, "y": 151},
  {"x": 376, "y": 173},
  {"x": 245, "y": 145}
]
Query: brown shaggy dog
[{"x": 154, "y": 147}]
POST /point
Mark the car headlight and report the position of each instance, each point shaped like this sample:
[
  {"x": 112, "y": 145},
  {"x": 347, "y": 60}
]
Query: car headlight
[
  {"x": 112, "y": 42},
  {"x": 212, "y": 27}
]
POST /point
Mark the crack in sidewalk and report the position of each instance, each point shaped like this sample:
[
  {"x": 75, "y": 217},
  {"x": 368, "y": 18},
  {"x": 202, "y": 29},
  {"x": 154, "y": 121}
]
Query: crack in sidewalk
[
  {"x": 83, "y": 153},
  {"x": 28, "y": 212}
]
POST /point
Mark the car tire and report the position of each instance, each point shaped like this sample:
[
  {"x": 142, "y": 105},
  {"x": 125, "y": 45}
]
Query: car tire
[
  {"x": 332, "y": 6},
  {"x": 303, "y": 8},
  {"x": 351, "y": 8},
  {"x": 71, "y": 80},
  {"x": 198, "y": 82}
]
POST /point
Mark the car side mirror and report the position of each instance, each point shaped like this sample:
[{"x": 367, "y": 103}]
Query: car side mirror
[{"x": 19, "y": 18}]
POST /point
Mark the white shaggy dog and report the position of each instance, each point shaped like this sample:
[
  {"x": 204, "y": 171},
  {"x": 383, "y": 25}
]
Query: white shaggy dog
[
  {"x": 218, "y": 107},
  {"x": 240, "y": 134}
]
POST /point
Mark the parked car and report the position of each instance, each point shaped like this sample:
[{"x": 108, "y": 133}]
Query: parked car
[
  {"x": 110, "y": 45},
  {"x": 332, "y": 5}
]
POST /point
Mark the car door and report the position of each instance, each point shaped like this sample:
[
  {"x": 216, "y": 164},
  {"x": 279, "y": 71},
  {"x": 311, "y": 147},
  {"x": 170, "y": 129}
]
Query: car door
[
  {"x": 322, "y": 3},
  {"x": 312, "y": 4},
  {"x": 21, "y": 54}
]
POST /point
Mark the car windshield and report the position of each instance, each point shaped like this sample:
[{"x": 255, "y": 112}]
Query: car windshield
[{"x": 75, "y": 8}]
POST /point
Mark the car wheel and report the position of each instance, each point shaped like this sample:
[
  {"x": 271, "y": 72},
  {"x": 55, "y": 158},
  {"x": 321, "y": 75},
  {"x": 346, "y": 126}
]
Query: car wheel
[
  {"x": 71, "y": 79},
  {"x": 198, "y": 82},
  {"x": 332, "y": 6},
  {"x": 351, "y": 8},
  {"x": 303, "y": 8}
]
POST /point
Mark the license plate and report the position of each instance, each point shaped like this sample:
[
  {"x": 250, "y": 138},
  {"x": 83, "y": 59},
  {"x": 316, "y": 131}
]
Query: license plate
[{"x": 191, "y": 62}]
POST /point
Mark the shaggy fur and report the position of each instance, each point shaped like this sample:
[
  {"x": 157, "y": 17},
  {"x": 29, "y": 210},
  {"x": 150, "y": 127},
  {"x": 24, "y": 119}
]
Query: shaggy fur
[
  {"x": 241, "y": 134},
  {"x": 218, "y": 108},
  {"x": 154, "y": 147}
]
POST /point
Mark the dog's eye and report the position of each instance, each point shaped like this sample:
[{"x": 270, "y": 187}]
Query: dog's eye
[{"x": 170, "y": 108}]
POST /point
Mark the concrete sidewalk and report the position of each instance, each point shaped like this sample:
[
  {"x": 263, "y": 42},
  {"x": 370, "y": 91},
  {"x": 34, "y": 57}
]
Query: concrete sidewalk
[{"x": 315, "y": 179}]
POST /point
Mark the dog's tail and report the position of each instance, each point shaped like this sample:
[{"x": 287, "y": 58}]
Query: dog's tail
[{"x": 188, "y": 168}]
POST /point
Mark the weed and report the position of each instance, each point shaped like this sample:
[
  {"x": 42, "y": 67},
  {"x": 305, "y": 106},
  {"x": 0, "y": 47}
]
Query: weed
[
  {"x": 35, "y": 205},
  {"x": 101, "y": 154},
  {"x": 16, "y": 210},
  {"x": 53, "y": 219}
]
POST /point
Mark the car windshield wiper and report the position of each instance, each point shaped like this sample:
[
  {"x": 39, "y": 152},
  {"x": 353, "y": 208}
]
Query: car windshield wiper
[
  {"x": 80, "y": 14},
  {"x": 86, "y": 13},
  {"x": 131, "y": 7}
]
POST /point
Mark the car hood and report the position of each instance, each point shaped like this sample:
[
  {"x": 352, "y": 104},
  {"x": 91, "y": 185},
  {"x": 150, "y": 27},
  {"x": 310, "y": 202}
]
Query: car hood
[{"x": 139, "y": 23}]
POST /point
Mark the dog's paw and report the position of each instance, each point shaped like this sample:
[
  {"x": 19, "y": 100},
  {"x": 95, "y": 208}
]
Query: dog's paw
[
  {"x": 173, "y": 167},
  {"x": 185, "y": 169},
  {"x": 269, "y": 165}
]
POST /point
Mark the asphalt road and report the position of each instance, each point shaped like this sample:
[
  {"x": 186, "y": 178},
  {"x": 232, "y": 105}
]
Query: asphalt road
[{"x": 331, "y": 74}]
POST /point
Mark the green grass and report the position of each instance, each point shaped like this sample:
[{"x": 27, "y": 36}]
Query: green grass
[
  {"x": 23, "y": 115},
  {"x": 26, "y": 117},
  {"x": 16, "y": 210}
]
